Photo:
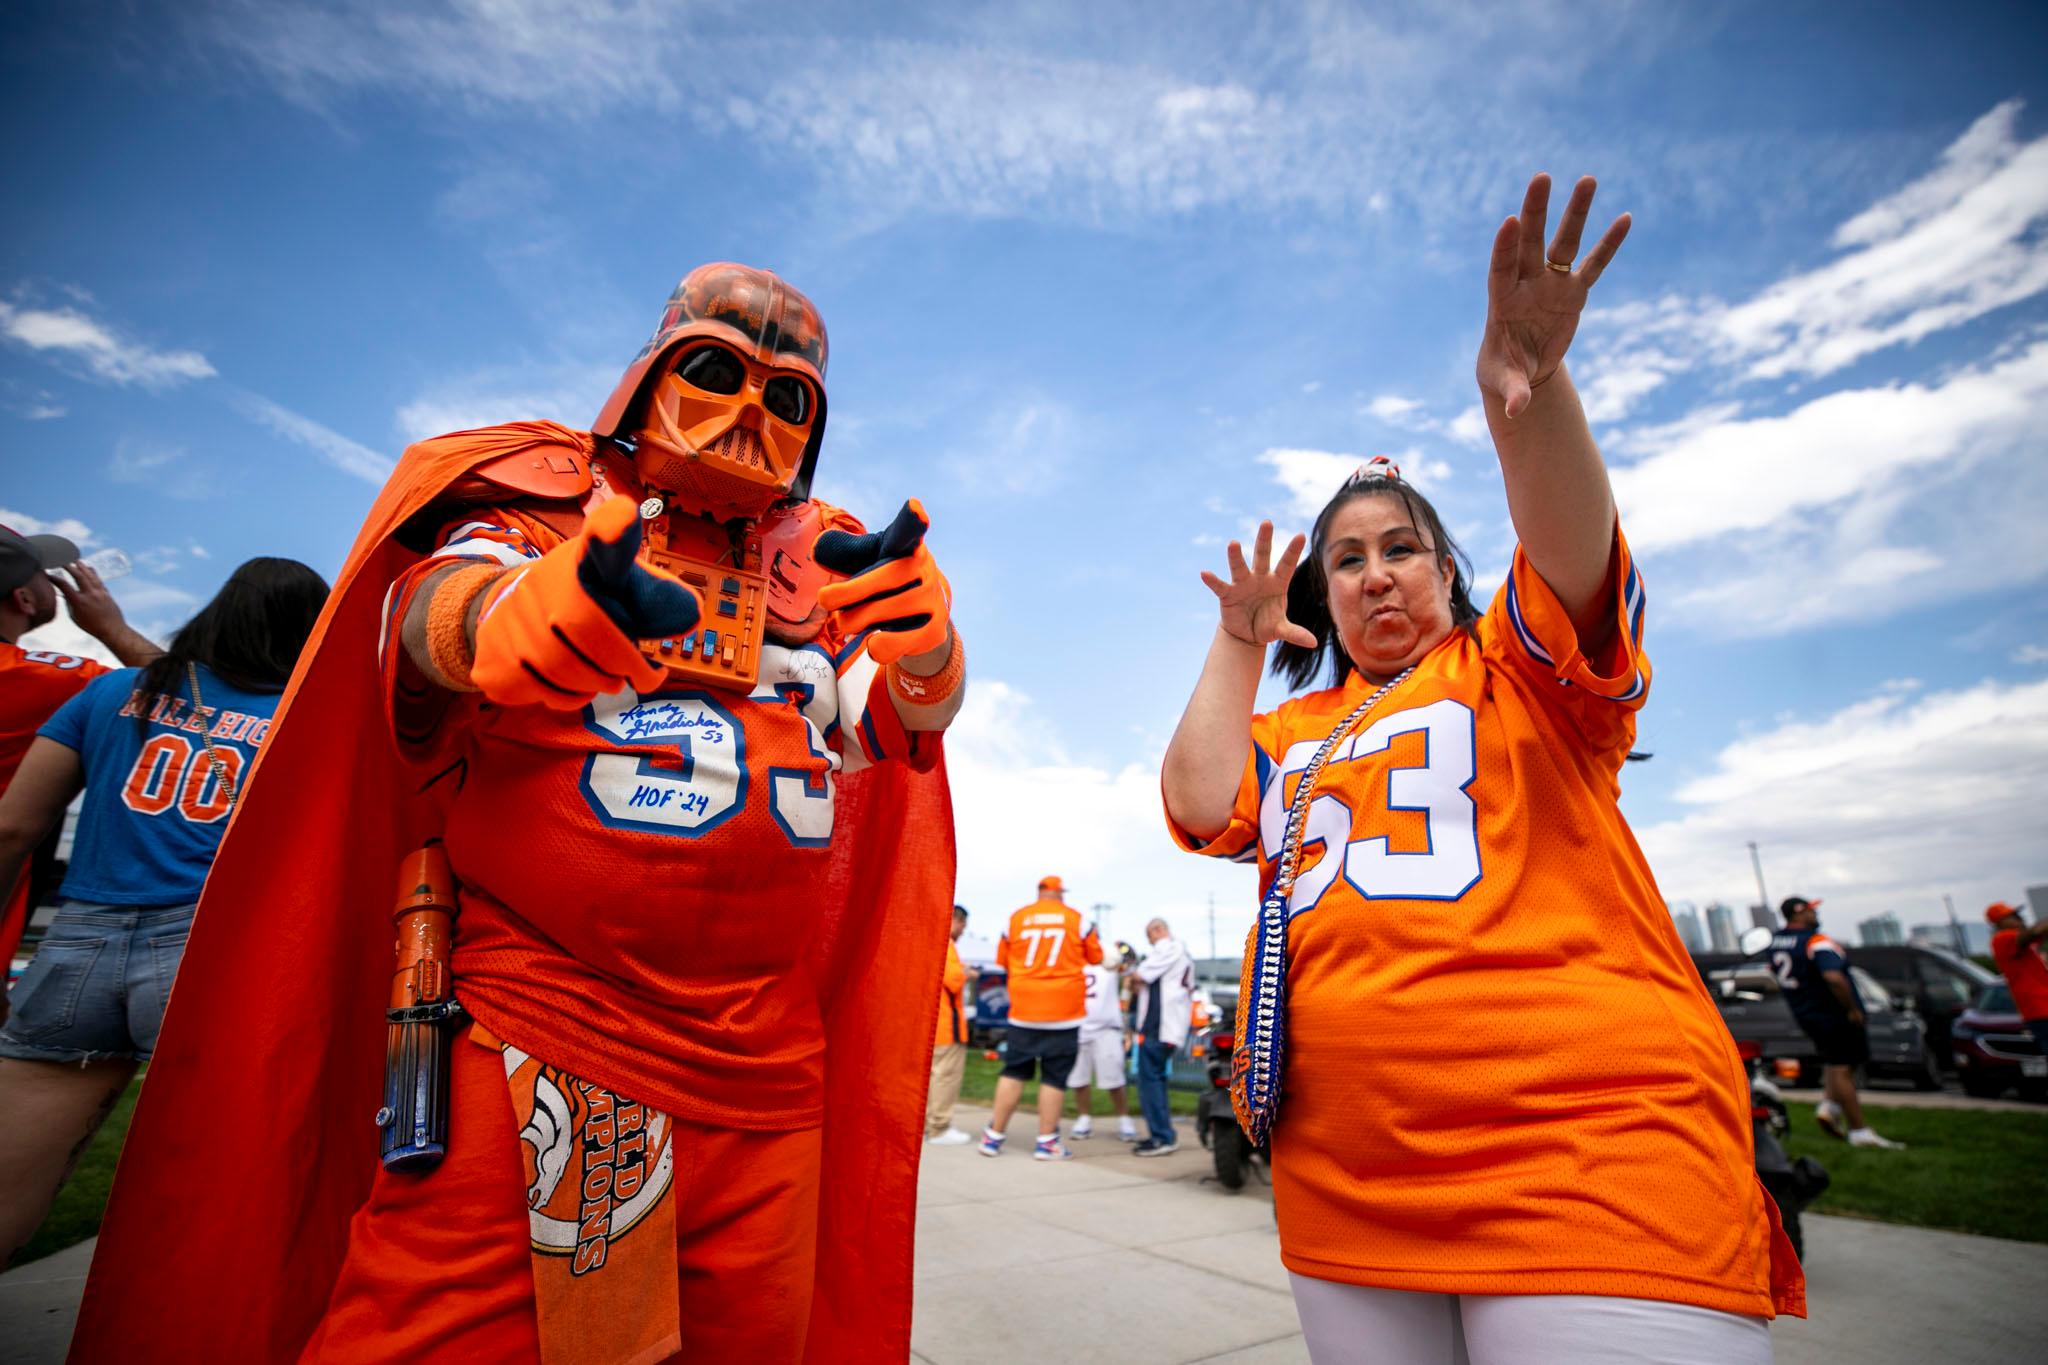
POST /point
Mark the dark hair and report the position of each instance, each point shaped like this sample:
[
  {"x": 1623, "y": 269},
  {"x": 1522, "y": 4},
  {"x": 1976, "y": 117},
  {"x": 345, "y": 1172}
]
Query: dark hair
[
  {"x": 250, "y": 634},
  {"x": 1308, "y": 595},
  {"x": 961, "y": 911}
]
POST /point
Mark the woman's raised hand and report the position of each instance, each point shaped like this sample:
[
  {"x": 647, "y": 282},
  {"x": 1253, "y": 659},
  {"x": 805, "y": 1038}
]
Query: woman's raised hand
[
  {"x": 1253, "y": 603},
  {"x": 1534, "y": 297}
]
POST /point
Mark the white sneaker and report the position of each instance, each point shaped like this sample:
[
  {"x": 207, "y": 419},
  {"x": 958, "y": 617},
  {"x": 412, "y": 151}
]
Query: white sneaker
[
  {"x": 952, "y": 1137},
  {"x": 1867, "y": 1137},
  {"x": 1127, "y": 1133},
  {"x": 1082, "y": 1130},
  {"x": 1828, "y": 1115}
]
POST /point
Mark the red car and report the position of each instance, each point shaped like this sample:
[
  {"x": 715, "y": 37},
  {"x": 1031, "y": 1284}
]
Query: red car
[{"x": 1993, "y": 1049}]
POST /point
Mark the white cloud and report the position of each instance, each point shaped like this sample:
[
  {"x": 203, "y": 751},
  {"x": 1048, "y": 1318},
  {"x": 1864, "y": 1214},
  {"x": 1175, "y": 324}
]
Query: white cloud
[
  {"x": 348, "y": 456},
  {"x": 1312, "y": 477},
  {"x": 1960, "y": 242},
  {"x": 71, "y": 528},
  {"x": 2030, "y": 654},
  {"x": 1394, "y": 409},
  {"x": 104, "y": 352},
  {"x": 1745, "y": 474},
  {"x": 1024, "y": 807},
  {"x": 1064, "y": 111},
  {"x": 1885, "y": 805},
  {"x": 159, "y": 464}
]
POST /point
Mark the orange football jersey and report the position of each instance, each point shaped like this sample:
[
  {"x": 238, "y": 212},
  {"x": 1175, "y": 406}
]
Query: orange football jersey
[
  {"x": 1502, "y": 1073},
  {"x": 639, "y": 877},
  {"x": 1044, "y": 951},
  {"x": 33, "y": 684},
  {"x": 952, "y": 1025}
]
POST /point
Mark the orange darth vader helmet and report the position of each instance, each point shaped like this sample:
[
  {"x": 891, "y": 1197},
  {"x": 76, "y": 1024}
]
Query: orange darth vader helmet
[{"x": 725, "y": 404}]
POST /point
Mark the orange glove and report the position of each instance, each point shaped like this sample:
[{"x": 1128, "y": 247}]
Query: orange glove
[
  {"x": 561, "y": 630},
  {"x": 894, "y": 588}
]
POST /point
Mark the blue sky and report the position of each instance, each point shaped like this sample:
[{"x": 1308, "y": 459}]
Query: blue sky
[{"x": 1106, "y": 285}]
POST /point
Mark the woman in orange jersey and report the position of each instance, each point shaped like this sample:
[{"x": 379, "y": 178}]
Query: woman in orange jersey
[{"x": 1507, "y": 1123}]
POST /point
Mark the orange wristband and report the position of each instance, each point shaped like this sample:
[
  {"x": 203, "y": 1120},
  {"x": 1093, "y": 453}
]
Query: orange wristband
[
  {"x": 448, "y": 643},
  {"x": 919, "y": 690}
]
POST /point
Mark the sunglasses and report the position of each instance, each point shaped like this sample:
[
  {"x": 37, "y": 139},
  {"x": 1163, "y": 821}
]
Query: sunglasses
[{"x": 715, "y": 369}]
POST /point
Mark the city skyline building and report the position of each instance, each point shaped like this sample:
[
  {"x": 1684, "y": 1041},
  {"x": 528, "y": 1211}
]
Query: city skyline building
[
  {"x": 1880, "y": 931},
  {"x": 1721, "y": 929},
  {"x": 1689, "y": 932}
]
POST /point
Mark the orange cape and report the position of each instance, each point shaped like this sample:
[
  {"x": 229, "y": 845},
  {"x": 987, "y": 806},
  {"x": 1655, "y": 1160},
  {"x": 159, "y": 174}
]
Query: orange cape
[{"x": 254, "y": 1144}]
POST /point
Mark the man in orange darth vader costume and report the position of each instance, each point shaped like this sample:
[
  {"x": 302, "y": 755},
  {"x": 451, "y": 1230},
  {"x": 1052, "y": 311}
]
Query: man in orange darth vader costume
[{"x": 677, "y": 724}]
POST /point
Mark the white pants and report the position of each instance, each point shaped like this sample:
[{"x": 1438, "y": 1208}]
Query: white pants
[{"x": 1348, "y": 1324}]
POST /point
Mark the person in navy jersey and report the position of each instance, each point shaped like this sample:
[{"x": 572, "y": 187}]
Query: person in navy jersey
[
  {"x": 1813, "y": 975},
  {"x": 161, "y": 752}
]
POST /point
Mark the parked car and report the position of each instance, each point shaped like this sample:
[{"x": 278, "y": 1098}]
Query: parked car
[
  {"x": 1993, "y": 1051},
  {"x": 1940, "y": 985},
  {"x": 1755, "y": 1011},
  {"x": 991, "y": 1017}
]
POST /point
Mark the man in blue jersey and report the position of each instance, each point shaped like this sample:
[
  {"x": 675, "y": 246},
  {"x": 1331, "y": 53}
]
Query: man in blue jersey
[{"x": 1813, "y": 974}]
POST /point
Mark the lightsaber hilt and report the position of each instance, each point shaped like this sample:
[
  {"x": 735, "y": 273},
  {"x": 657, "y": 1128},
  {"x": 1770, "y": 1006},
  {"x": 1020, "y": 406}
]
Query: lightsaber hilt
[{"x": 422, "y": 1017}]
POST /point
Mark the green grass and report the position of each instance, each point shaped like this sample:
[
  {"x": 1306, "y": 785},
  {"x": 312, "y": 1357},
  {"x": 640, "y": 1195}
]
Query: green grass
[
  {"x": 979, "y": 1086},
  {"x": 76, "y": 1214},
  {"x": 1963, "y": 1170}
]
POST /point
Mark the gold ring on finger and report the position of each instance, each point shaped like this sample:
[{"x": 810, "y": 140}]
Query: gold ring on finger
[{"x": 1566, "y": 268}]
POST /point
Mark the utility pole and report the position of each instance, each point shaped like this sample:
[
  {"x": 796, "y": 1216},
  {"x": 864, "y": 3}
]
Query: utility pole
[
  {"x": 1756, "y": 860},
  {"x": 1955, "y": 928}
]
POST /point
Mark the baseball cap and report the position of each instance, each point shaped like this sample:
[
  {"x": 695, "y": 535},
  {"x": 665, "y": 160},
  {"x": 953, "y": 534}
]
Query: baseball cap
[
  {"x": 1051, "y": 884},
  {"x": 1998, "y": 910},
  {"x": 23, "y": 557},
  {"x": 1792, "y": 905}
]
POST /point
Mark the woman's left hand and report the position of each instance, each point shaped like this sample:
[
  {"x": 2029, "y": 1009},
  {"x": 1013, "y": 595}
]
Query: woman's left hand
[{"x": 1534, "y": 297}]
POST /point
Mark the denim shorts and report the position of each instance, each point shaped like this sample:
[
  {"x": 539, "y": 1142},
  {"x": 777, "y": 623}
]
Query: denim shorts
[{"x": 98, "y": 983}]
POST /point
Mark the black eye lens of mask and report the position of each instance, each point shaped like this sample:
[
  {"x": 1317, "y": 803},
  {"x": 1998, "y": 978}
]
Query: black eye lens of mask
[
  {"x": 788, "y": 398},
  {"x": 713, "y": 369}
]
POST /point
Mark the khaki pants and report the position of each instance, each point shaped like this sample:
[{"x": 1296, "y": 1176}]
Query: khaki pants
[{"x": 949, "y": 1068}]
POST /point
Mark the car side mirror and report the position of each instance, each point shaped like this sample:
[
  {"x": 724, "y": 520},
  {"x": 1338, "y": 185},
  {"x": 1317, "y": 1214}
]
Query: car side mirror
[{"x": 1755, "y": 939}]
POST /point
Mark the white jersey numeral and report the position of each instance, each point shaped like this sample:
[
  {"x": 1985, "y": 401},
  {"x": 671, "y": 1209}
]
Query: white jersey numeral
[
  {"x": 1033, "y": 937},
  {"x": 1445, "y": 870},
  {"x": 695, "y": 783}
]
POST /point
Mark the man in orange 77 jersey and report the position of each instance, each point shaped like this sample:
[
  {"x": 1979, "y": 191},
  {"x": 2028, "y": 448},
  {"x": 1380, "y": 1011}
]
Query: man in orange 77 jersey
[
  {"x": 1045, "y": 951},
  {"x": 678, "y": 725}
]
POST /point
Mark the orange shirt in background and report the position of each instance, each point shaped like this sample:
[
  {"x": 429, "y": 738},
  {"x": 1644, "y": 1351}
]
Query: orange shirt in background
[
  {"x": 952, "y": 1017},
  {"x": 2024, "y": 972},
  {"x": 33, "y": 684},
  {"x": 1044, "y": 952},
  {"x": 1503, "y": 1074}
]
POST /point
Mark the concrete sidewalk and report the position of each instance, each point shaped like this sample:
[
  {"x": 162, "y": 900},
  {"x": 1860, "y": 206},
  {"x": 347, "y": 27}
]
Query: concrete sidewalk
[{"x": 1110, "y": 1258}]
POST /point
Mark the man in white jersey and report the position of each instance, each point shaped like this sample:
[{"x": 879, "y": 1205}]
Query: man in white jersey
[{"x": 1101, "y": 1058}]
